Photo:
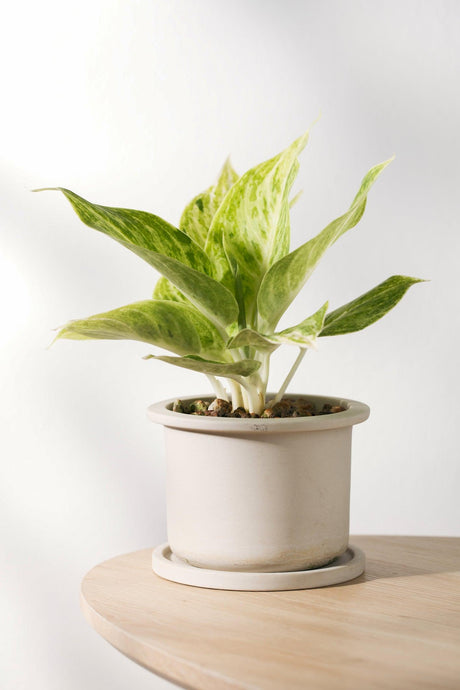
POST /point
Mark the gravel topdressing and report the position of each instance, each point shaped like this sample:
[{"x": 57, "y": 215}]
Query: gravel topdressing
[{"x": 287, "y": 407}]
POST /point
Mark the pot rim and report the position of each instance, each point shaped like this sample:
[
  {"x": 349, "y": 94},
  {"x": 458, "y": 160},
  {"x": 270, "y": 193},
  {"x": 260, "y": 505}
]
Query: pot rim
[{"x": 355, "y": 413}]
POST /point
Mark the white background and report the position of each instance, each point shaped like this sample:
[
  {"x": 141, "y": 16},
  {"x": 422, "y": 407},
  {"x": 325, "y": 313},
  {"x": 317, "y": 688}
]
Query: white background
[{"x": 137, "y": 104}]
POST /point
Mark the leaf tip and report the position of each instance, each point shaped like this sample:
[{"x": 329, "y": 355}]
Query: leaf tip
[
  {"x": 386, "y": 163},
  {"x": 56, "y": 337},
  {"x": 412, "y": 279},
  {"x": 317, "y": 119}
]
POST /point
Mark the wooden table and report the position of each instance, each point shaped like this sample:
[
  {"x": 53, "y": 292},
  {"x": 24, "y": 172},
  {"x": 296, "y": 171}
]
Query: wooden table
[{"x": 397, "y": 626}]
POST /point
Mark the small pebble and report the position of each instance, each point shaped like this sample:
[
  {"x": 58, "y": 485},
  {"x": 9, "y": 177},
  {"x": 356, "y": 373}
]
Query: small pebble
[
  {"x": 240, "y": 412},
  {"x": 199, "y": 407},
  {"x": 178, "y": 406},
  {"x": 222, "y": 407}
]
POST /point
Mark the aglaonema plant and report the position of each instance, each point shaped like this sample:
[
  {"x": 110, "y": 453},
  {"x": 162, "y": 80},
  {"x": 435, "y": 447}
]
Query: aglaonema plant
[{"x": 228, "y": 276}]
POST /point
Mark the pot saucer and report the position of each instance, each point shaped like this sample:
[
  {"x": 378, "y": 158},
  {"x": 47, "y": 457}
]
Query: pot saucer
[{"x": 346, "y": 567}]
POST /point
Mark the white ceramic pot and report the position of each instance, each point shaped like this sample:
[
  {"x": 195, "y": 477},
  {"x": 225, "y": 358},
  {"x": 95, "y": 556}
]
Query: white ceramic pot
[{"x": 265, "y": 495}]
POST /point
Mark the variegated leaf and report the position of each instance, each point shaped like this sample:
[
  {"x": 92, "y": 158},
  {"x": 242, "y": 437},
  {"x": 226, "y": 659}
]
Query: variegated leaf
[
  {"x": 251, "y": 227},
  {"x": 196, "y": 217},
  {"x": 209, "y": 296},
  {"x": 171, "y": 325},
  {"x": 287, "y": 276},
  {"x": 196, "y": 220},
  {"x": 304, "y": 334},
  {"x": 368, "y": 308},
  {"x": 245, "y": 367},
  {"x": 198, "y": 214},
  {"x": 165, "y": 248},
  {"x": 165, "y": 290},
  {"x": 139, "y": 231},
  {"x": 251, "y": 338}
]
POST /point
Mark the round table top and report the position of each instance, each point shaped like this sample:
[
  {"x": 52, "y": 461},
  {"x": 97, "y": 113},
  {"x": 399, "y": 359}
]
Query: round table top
[{"x": 395, "y": 626}]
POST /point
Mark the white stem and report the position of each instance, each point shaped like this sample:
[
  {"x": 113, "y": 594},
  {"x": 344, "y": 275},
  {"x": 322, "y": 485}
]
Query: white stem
[
  {"x": 265, "y": 371},
  {"x": 218, "y": 388},
  {"x": 289, "y": 377},
  {"x": 237, "y": 398},
  {"x": 255, "y": 399},
  {"x": 245, "y": 395},
  {"x": 260, "y": 402}
]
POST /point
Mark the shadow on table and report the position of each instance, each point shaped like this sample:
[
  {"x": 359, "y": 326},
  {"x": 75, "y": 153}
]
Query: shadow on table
[{"x": 403, "y": 556}]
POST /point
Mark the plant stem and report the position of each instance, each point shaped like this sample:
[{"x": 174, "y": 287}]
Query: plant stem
[
  {"x": 265, "y": 371},
  {"x": 245, "y": 395},
  {"x": 255, "y": 399},
  {"x": 260, "y": 403},
  {"x": 289, "y": 377},
  {"x": 218, "y": 388},
  {"x": 237, "y": 397}
]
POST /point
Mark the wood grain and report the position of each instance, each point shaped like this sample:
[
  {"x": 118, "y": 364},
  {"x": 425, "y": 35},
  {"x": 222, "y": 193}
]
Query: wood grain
[{"x": 395, "y": 627}]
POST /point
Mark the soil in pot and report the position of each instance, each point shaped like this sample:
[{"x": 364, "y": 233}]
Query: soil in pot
[{"x": 287, "y": 407}]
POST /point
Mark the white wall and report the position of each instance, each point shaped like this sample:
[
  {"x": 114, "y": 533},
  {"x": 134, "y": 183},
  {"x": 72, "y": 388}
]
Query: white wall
[{"x": 137, "y": 104}]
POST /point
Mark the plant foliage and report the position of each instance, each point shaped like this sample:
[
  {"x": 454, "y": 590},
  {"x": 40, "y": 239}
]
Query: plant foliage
[{"x": 228, "y": 275}]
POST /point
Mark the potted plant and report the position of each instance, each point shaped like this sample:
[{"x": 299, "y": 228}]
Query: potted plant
[{"x": 256, "y": 482}]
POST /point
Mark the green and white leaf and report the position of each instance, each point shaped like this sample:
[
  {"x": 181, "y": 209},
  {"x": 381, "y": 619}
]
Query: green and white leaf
[
  {"x": 139, "y": 230},
  {"x": 171, "y": 325},
  {"x": 368, "y": 308},
  {"x": 251, "y": 227},
  {"x": 165, "y": 248},
  {"x": 196, "y": 220},
  {"x": 232, "y": 370},
  {"x": 287, "y": 276},
  {"x": 165, "y": 290},
  {"x": 304, "y": 334},
  {"x": 251, "y": 338},
  {"x": 209, "y": 296},
  {"x": 198, "y": 214}
]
